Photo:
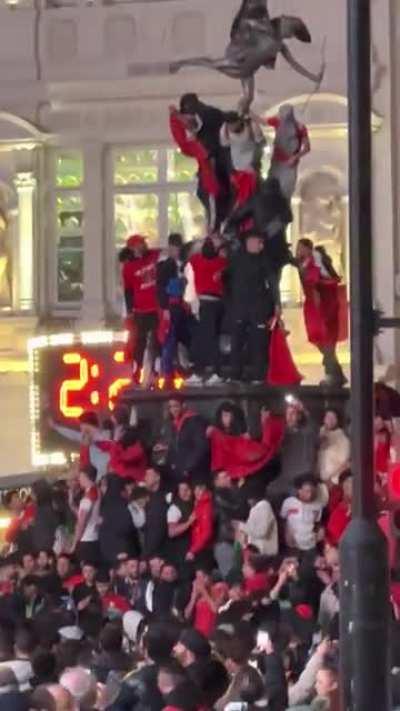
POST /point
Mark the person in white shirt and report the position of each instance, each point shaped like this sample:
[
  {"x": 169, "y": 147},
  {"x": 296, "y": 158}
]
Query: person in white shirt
[
  {"x": 334, "y": 449},
  {"x": 88, "y": 434},
  {"x": 86, "y": 537},
  {"x": 261, "y": 528},
  {"x": 303, "y": 512}
]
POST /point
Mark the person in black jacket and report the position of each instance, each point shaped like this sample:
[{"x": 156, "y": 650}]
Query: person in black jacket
[
  {"x": 43, "y": 528},
  {"x": 254, "y": 302},
  {"x": 270, "y": 213},
  {"x": 170, "y": 288},
  {"x": 139, "y": 690},
  {"x": 155, "y": 527},
  {"x": 209, "y": 120},
  {"x": 117, "y": 533},
  {"x": 188, "y": 455}
]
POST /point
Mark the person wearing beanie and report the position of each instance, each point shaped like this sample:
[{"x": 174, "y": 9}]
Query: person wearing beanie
[
  {"x": 192, "y": 648},
  {"x": 139, "y": 279}
]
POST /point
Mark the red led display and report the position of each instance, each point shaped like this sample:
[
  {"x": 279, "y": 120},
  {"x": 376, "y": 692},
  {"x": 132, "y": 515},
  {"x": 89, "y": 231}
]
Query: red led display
[{"x": 84, "y": 378}]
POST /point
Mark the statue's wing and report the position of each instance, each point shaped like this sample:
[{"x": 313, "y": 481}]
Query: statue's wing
[
  {"x": 289, "y": 27},
  {"x": 249, "y": 10}
]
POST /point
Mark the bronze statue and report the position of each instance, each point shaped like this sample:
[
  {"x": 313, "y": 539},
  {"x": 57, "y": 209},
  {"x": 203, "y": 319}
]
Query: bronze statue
[{"x": 255, "y": 42}]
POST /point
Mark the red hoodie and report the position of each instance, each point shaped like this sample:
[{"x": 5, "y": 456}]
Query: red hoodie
[
  {"x": 127, "y": 462},
  {"x": 203, "y": 527},
  {"x": 139, "y": 278},
  {"x": 208, "y": 275}
]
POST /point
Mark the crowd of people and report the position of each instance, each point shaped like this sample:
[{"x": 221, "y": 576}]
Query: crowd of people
[
  {"x": 185, "y": 299},
  {"x": 199, "y": 571}
]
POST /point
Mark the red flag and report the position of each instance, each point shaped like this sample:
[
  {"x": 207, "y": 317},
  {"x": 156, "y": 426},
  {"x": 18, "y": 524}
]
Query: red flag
[{"x": 282, "y": 368}]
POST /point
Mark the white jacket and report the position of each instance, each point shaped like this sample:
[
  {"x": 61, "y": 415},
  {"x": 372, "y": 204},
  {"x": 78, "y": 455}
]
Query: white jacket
[
  {"x": 261, "y": 528},
  {"x": 333, "y": 454}
]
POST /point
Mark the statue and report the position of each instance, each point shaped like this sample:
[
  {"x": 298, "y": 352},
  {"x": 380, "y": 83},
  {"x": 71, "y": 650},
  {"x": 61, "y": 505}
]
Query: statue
[{"x": 256, "y": 41}]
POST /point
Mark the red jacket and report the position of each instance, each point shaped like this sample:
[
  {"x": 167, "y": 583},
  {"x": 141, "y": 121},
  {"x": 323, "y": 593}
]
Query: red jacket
[
  {"x": 240, "y": 456},
  {"x": 203, "y": 527},
  {"x": 129, "y": 462},
  {"x": 338, "y": 522},
  {"x": 194, "y": 149},
  {"x": 139, "y": 280},
  {"x": 321, "y": 306},
  {"x": 208, "y": 274}
]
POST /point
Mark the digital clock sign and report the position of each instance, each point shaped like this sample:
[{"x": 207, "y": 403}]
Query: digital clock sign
[{"x": 71, "y": 374}]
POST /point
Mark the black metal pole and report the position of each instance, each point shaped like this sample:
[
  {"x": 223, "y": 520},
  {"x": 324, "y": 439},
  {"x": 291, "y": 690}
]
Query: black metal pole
[{"x": 364, "y": 609}]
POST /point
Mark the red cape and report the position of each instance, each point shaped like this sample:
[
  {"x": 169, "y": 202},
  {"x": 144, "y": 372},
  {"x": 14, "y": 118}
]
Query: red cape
[{"x": 240, "y": 456}]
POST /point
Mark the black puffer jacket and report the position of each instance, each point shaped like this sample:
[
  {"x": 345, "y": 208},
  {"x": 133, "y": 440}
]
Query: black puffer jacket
[
  {"x": 188, "y": 451},
  {"x": 139, "y": 692}
]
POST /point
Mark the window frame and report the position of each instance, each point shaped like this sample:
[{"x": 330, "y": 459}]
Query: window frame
[
  {"x": 162, "y": 188},
  {"x": 56, "y": 304}
]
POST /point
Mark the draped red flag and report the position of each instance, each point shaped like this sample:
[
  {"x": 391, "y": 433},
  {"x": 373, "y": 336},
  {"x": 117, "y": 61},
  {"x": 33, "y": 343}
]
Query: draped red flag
[{"x": 282, "y": 368}]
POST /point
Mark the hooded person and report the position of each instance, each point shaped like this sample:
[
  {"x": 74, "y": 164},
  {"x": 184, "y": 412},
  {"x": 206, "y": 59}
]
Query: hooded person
[
  {"x": 321, "y": 307},
  {"x": 291, "y": 144},
  {"x": 209, "y": 120},
  {"x": 188, "y": 453},
  {"x": 117, "y": 534},
  {"x": 139, "y": 279}
]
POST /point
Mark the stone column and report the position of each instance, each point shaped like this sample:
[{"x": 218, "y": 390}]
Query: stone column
[
  {"x": 25, "y": 184},
  {"x": 93, "y": 303}
]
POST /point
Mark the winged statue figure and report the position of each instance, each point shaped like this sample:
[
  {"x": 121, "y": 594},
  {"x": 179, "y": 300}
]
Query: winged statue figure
[{"x": 256, "y": 41}]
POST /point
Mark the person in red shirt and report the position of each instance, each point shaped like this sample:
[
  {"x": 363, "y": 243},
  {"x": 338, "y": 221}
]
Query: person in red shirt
[
  {"x": 139, "y": 278},
  {"x": 202, "y": 608},
  {"x": 341, "y": 515},
  {"x": 128, "y": 458},
  {"x": 113, "y": 605},
  {"x": 321, "y": 306},
  {"x": 208, "y": 269},
  {"x": 203, "y": 527}
]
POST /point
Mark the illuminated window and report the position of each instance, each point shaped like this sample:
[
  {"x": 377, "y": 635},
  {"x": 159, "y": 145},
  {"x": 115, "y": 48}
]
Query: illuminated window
[
  {"x": 155, "y": 193},
  {"x": 69, "y": 247},
  {"x": 180, "y": 169},
  {"x": 186, "y": 215},
  {"x": 136, "y": 213},
  {"x": 69, "y": 169},
  {"x": 68, "y": 178},
  {"x": 135, "y": 166}
]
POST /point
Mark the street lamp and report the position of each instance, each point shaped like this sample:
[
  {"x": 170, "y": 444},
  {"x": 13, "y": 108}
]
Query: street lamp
[{"x": 364, "y": 589}]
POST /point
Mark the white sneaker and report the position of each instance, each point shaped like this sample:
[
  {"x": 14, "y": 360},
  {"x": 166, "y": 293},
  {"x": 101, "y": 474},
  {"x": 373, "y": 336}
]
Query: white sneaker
[
  {"x": 194, "y": 381},
  {"x": 214, "y": 380}
]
